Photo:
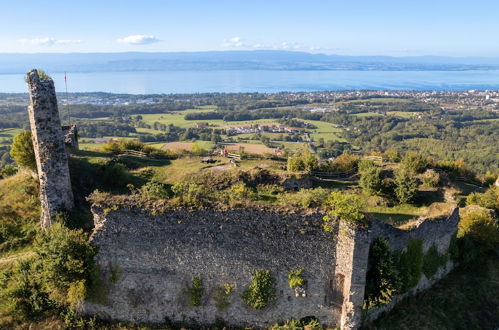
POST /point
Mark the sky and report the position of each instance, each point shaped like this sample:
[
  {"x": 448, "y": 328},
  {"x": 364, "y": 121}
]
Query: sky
[{"x": 346, "y": 27}]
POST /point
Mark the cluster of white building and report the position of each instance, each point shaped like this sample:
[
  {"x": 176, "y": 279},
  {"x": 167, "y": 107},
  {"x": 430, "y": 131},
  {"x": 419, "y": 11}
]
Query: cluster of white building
[{"x": 261, "y": 128}]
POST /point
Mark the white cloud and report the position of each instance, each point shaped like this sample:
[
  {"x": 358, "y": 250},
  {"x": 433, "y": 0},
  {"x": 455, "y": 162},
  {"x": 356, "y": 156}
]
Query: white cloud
[
  {"x": 234, "y": 42},
  {"x": 139, "y": 39},
  {"x": 238, "y": 42},
  {"x": 287, "y": 45},
  {"x": 48, "y": 41}
]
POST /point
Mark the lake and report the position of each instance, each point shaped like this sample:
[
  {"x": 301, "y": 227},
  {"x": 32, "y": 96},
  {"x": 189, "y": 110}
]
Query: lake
[{"x": 156, "y": 82}]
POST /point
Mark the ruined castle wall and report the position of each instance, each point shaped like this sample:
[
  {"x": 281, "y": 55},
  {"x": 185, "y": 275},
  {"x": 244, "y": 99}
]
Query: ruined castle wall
[
  {"x": 50, "y": 151},
  {"x": 438, "y": 232},
  {"x": 156, "y": 257}
]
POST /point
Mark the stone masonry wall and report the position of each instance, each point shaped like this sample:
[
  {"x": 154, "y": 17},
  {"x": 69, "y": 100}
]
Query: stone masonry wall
[
  {"x": 50, "y": 152},
  {"x": 156, "y": 257}
]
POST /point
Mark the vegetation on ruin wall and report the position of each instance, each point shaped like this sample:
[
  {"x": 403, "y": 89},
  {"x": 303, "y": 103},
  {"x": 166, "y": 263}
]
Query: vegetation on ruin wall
[
  {"x": 466, "y": 299},
  {"x": 261, "y": 292},
  {"x": 396, "y": 272}
]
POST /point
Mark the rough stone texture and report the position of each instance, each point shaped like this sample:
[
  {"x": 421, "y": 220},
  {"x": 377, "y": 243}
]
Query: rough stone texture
[
  {"x": 50, "y": 152},
  {"x": 352, "y": 252},
  {"x": 71, "y": 136},
  {"x": 158, "y": 255}
]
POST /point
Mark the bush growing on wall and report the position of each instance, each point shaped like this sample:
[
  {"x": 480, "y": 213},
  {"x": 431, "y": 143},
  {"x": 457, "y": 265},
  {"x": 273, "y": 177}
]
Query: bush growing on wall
[
  {"x": 261, "y": 291},
  {"x": 345, "y": 207},
  {"x": 383, "y": 278},
  {"x": 196, "y": 292},
  {"x": 295, "y": 278},
  {"x": 433, "y": 261},
  {"x": 410, "y": 264},
  {"x": 221, "y": 296}
]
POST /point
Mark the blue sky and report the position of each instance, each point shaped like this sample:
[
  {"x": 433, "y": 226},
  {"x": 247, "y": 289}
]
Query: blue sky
[{"x": 350, "y": 27}]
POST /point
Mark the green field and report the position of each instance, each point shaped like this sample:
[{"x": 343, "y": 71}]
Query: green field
[
  {"x": 367, "y": 114},
  {"x": 325, "y": 131},
  {"x": 402, "y": 114},
  {"x": 7, "y": 134}
]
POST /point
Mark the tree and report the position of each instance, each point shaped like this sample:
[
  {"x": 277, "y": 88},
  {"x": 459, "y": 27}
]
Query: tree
[
  {"x": 22, "y": 150},
  {"x": 309, "y": 160},
  {"x": 382, "y": 280},
  {"x": 414, "y": 162},
  {"x": 370, "y": 178},
  {"x": 479, "y": 226},
  {"x": 345, "y": 207},
  {"x": 405, "y": 186},
  {"x": 295, "y": 163}
]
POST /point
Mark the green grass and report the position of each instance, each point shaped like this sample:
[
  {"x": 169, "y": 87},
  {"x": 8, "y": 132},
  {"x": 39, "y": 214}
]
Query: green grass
[
  {"x": 7, "y": 134},
  {"x": 402, "y": 114},
  {"x": 325, "y": 131},
  {"x": 398, "y": 214},
  {"x": 368, "y": 114},
  {"x": 183, "y": 166}
]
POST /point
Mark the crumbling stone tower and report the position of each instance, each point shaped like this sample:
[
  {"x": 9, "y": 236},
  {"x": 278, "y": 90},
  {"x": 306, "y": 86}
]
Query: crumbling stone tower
[{"x": 50, "y": 151}]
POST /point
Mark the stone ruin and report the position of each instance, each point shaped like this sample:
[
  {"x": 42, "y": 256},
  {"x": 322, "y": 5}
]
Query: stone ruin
[
  {"x": 71, "y": 136},
  {"x": 148, "y": 262},
  {"x": 50, "y": 151}
]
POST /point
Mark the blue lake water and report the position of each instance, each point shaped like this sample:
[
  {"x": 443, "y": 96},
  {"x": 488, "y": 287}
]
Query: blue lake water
[{"x": 260, "y": 81}]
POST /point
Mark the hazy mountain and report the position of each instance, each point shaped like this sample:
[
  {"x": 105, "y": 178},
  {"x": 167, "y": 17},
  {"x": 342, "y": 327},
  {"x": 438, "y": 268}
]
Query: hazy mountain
[{"x": 232, "y": 60}]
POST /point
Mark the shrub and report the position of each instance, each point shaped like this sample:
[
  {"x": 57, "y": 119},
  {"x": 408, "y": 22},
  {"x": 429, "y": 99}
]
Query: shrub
[
  {"x": 191, "y": 193},
  {"x": 489, "y": 199},
  {"x": 240, "y": 191},
  {"x": 196, "y": 292},
  {"x": 370, "y": 178},
  {"x": 345, "y": 163},
  {"x": 478, "y": 232},
  {"x": 295, "y": 164},
  {"x": 305, "y": 198},
  {"x": 65, "y": 257},
  {"x": 392, "y": 155},
  {"x": 157, "y": 190},
  {"x": 405, "y": 186},
  {"x": 22, "y": 151},
  {"x": 221, "y": 296},
  {"x": 295, "y": 278},
  {"x": 410, "y": 264},
  {"x": 7, "y": 170},
  {"x": 58, "y": 276},
  {"x": 432, "y": 261},
  {"x": 346, "y": 207},
  {"x": 414, "y": 162},
  {"x": 114, "y": 174},
  {"x": 383, "y": 278},
  {"x": 261, "y": 291},
  {"x": 431, "y": 178},
  {"x": 306, "y": 323}
]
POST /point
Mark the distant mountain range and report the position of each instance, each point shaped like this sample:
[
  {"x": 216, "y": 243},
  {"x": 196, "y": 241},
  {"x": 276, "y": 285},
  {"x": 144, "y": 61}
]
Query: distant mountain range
[{"x": 234, "y": 60}]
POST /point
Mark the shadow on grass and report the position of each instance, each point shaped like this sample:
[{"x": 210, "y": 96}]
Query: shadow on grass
[
  {"x": 110, "y": 176},
  {"x": 395, "y": 219}
]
